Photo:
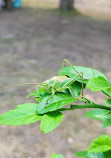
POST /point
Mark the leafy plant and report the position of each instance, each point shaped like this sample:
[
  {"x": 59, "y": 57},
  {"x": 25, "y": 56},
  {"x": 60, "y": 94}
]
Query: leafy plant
[
  {"x": 99, "y": 148},
  {"x": 52, "y": 95}
]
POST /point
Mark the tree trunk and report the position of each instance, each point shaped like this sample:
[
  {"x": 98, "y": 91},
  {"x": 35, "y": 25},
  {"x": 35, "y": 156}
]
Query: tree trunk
[
  {"x": 67, "y": 5},
  {"x": 8, "y": 4}
]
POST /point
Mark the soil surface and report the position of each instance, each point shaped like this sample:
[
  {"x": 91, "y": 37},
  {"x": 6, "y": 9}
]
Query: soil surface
[{"x": 33, "y": 43}]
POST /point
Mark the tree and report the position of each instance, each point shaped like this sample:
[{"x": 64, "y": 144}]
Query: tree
[
  {"x": 8, "y": 4},
  {"x": 67, "y": 5}
]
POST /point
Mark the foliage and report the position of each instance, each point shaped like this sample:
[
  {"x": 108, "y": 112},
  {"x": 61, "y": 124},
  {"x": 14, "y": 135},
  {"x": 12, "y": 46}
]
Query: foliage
[
  {"x": 52, "y": 95},
  {"x": 50, "y": 121},
  {"x": 23, "y": 115},
  {"x": 99, "y": 148},
  {"x": 57, "y": 156}
]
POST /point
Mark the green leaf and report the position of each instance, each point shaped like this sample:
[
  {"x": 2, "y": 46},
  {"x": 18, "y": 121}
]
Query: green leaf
[
  {"x": 42, "y": 104},
  {"x": 107, "y": 154},
  {"x": 57, "y": 156},
  {"x": 106, "y": 122},
  {"x": 50, "y": 121},
  {"x": 39, "y": 96},
  {"x": 108, "y": 102},
  {"x": 100, "y": 115},
  {"x": 76, "y": 88},
  {"x": 56, "y": 102},
  {"x": 97, "y": 114},
  {"x": 59, "y": 96},
  {"x": 85, "y": 154},
  {"x": 88, "y": 73},
  {"x": 55, "y": 106},
  {"x": 23, "y": 115},
  {"x": 100, "y": 144},
  {"x": 107, "y": 92},
  {"x": 87, "y": 101},
  {"x": 82, "y": 154},
  {"x": 98, "y": 84}
]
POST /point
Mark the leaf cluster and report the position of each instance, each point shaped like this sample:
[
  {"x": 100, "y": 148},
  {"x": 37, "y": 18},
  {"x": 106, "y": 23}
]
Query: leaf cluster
[
  {"x": 99, "y": 148},
  {"x": 51, "y": 115}
]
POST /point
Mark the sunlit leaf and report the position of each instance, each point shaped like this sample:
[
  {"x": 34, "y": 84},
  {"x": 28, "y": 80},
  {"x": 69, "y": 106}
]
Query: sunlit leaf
[
  {"x": 100, "y": 115},
  {"x": 98, "y": 84},
  {"x": 55, "y": 106},
  {"x": 57, "y": 156},
  {"x": 62, "y": 100},
  {"x": 97, "y": 114},
  {"x": 23, "y": 115},
  {"x": 58, "y": 100},
  {"x": 88, "y": 73},
  {"x": 100, "y": 144},
  {"x": 50, "y": 121}
]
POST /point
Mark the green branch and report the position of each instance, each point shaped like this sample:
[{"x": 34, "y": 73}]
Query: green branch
[
  {"x": 96, "y": 106},
  {"x": 72, "y": 107}
]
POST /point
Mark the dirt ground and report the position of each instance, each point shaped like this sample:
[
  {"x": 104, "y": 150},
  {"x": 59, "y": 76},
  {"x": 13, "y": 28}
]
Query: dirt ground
[
  {"x": 33, "y": 43},
  {"x": 95, "y": 8}
]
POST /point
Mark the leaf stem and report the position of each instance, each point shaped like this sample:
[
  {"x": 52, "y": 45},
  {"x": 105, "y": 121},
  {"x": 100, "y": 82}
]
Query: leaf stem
[{"x": 74, "y": 107}]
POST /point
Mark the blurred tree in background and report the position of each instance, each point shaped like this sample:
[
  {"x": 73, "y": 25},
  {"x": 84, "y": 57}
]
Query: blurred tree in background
[{"x": 67, "y": 5}]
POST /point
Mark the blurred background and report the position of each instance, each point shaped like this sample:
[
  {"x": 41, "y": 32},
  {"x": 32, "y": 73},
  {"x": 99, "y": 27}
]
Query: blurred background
[{"x": 35, "y": 37}]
